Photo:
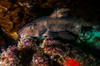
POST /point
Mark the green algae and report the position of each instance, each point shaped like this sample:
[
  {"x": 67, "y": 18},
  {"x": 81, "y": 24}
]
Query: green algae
[{"x": 90, "y": 37}]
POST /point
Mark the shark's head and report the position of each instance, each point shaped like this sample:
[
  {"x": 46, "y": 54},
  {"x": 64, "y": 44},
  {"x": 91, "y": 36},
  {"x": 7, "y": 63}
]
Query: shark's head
[{"x": 28, "y": 31}]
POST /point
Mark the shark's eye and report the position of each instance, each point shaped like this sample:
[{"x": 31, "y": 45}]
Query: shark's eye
[{"x": 30, "y": 28}]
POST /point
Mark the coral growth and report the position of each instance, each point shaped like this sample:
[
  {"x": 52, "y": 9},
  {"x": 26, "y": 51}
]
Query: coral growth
[
  {"x": 49, "y": 52},
  {"x": 9, "y": 57}
]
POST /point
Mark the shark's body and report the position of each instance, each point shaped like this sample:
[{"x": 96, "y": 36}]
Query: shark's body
[{"x": 53, "y": 23}]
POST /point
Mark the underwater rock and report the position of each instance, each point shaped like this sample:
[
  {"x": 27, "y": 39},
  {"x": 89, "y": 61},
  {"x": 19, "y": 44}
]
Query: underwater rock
[
  {"x": 9, "y": 57},
  {"x": 26, "y": 43},
  {"x": 50, "y": 53},
  {"x": 40, "y": 60},
  {"x": 15, "y": 13}
]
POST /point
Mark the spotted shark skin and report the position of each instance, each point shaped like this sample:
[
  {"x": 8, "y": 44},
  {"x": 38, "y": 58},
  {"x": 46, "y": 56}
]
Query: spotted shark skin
[{"x": 53, "y": 23}]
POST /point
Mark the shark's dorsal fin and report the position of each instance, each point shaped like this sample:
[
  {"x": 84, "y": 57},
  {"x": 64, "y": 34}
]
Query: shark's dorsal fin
[{"x": 62, "y": 12}]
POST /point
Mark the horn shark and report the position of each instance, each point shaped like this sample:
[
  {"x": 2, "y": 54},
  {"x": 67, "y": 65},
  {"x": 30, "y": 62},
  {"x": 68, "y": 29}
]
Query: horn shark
[{"x": 58, "y": 21}]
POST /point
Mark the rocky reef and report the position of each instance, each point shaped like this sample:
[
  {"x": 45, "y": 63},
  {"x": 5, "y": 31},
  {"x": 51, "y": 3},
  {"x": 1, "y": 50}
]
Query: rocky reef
[
  {"x": 54, "y": 41},
  {"x": 37, "y": 51},
  {"x": 70, "y": 36},
  {"x": 14, "y": 14}
]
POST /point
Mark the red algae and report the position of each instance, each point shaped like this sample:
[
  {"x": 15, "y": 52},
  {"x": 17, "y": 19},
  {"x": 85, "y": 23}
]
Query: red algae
[{"x": 72, "y": 62}]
